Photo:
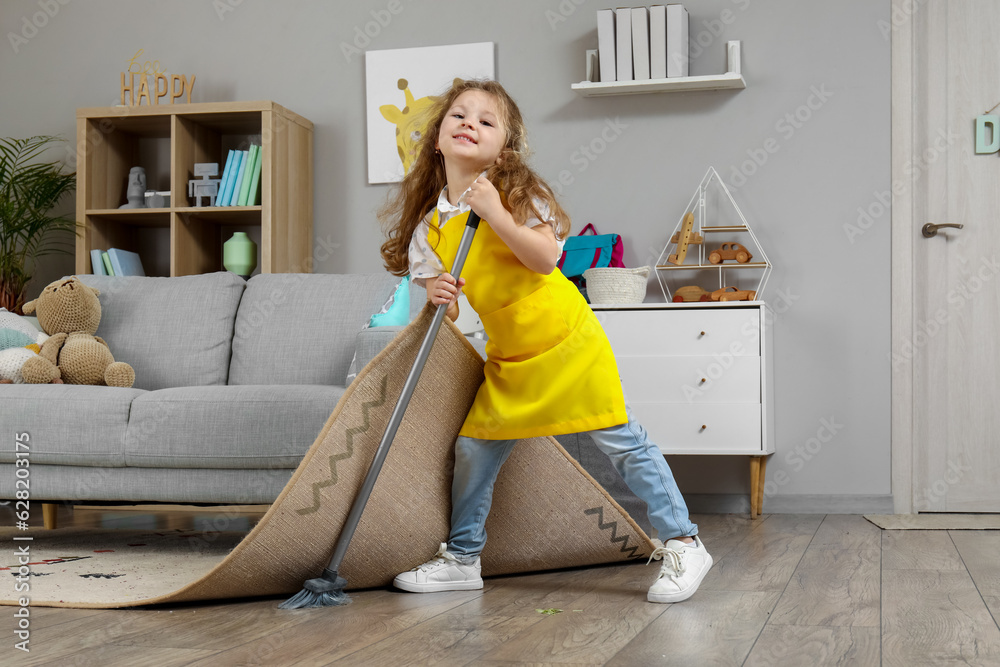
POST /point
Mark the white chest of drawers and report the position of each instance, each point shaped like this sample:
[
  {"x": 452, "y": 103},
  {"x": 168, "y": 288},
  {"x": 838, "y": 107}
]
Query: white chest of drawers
[{"x": 698, "y": 377}]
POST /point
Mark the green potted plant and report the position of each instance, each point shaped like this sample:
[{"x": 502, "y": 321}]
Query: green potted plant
[{"x": 29, "y": 190}]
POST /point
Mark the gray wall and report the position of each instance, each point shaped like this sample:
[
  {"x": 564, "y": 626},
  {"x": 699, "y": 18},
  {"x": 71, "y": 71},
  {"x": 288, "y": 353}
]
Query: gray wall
[{"x": 815, "y": 114}]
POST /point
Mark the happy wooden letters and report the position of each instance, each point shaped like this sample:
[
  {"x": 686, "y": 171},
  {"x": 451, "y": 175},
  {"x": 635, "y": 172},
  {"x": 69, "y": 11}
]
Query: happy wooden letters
[
  {"x": 149, "y": 78},
  {"x": 150, "y": 88}
]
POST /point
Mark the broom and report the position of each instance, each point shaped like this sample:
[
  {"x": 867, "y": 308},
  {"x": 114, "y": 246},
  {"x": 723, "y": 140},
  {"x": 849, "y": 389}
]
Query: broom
[{"x": 327, "y": 590}]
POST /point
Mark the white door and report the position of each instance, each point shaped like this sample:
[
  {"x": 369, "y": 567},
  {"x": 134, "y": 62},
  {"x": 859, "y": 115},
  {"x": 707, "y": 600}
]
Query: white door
[{"x": 946, "y": 288}]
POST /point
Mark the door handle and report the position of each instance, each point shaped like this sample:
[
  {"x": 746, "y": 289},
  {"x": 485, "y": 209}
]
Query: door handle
[{"x": 930, "y": 231}]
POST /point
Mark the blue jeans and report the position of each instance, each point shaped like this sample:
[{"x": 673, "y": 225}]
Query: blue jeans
[{"x": 637, "y": 460}]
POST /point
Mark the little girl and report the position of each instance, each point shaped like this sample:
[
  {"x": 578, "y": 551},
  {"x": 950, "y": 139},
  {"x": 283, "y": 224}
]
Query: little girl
[{"x": 550, "y": 369}]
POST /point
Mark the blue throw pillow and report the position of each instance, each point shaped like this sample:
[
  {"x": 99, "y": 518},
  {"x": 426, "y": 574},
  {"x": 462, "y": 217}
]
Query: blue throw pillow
[{"x": 396, "y": 311}]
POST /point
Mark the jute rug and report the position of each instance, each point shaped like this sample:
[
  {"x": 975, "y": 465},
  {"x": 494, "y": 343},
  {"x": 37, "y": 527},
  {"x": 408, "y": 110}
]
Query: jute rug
[
  {"x": 935, "y": 521},
  {"x": 547, "y": 512}
]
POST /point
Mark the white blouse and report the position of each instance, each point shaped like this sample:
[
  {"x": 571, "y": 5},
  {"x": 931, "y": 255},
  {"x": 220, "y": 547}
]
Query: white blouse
[{"x": 424, "y": 262}]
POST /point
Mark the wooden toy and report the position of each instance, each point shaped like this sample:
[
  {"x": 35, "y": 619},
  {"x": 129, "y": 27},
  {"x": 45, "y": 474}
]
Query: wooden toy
[
  {"x": 694, "y": 239},
  {"x": 683, "y": 238},
  {"x": 730, "y": 251},
  {"x": 733, "y": 294},
  {"x": 690, "y": 293}
]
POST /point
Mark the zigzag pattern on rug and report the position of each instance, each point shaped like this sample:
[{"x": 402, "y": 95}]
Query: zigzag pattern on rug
[
  {"x": 613, "y": 526},
  {"x": 317, "y": 487}
]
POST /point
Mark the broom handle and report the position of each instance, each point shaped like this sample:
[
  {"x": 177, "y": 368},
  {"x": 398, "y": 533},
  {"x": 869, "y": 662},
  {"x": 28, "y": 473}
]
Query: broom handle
[{"x": 354, "y": 517}]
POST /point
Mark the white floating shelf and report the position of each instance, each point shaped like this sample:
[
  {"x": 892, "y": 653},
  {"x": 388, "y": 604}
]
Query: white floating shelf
[
  {"x": 677, "y": 84},
  {"x": 732, "y": 79}
]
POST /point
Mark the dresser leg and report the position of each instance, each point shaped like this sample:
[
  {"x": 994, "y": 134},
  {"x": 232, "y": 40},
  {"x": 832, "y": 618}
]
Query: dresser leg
[
  {"x": 49, "y": 515},
  {"x": 755, "y": 478},
  {"x": 762, "y": 473}
]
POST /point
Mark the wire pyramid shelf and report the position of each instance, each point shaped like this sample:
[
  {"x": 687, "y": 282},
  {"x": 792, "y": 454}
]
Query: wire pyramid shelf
[{"x": 712, "y": 248}]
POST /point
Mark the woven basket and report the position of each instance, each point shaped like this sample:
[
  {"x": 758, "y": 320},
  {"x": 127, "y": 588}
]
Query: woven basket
[{"x": 613, "y": 285}]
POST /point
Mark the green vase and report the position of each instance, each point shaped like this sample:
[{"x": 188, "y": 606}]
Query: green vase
[{"x": 239, "y": 255}]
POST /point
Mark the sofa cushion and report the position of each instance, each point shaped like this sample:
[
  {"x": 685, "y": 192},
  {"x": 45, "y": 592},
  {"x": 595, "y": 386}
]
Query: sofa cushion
[
  {"x": 249, "y": 426},
  {"x": 299, "y": 328},
  {"x": 136, "y": 485},
  {"x": 175, "y": 332},
  {"x": 66, "y": 424}
]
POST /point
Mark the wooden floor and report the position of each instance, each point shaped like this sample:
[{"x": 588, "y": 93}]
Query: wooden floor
[{"x": 785, "y": 590}]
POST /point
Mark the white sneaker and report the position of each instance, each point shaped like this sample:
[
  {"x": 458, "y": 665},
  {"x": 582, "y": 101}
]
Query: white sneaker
[
  {"x": 442, "y": 573},
  {"x": 684, "y": 566}
]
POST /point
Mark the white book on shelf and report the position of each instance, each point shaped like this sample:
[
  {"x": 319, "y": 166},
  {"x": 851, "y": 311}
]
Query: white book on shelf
[
  {"x": 593, "y": 69},
  {"x": 677, "y": 41},
  {"x": 640, "y": 43},
  {"x": 623, "y": 43},
  {"x": 606, "y": 44},
  {"x": 658, "y": 42}
]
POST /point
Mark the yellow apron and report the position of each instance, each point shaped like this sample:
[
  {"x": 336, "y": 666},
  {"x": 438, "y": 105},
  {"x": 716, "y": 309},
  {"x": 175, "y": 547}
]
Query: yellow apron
[{"x": 549, "y": 369}]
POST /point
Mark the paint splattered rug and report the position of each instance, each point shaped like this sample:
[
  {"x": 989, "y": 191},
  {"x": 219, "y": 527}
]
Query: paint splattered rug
[
  {"x": 548, "y": 513},
  {"x": 72, "y": 565}
]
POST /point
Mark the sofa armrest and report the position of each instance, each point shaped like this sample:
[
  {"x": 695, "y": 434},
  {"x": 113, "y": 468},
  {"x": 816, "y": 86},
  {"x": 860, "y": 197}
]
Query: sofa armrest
[{"x": 371, "y": 341}]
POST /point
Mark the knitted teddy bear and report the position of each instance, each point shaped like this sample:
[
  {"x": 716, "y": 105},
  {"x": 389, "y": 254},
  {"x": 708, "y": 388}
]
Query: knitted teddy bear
[
  {"x": 69, "y": 312},
  {"x": 19, "y": 342}
]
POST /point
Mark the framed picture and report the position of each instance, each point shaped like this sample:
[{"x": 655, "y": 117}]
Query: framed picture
[{"x": 399, "y": 85}]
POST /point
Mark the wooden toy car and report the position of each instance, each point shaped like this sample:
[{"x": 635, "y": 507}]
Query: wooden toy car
[
  {"x": 733, "y": 294},
  {"x": 691, "y": 293},
  {"x": 730, "y": 251}
]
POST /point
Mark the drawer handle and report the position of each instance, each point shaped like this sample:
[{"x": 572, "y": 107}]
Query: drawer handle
[
  {"x": 704, "y": 426},
  {"x": 703, "y": 381},
  {"x": 701, "y": 334}
]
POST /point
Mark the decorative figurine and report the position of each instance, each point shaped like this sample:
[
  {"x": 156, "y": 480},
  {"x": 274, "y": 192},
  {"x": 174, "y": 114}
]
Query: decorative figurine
[
  {"x": 157, "y": 199},
  {"x": 734, "y": 294},
  {"x": 684, "y": 237},
  {"x": 204, "y": 186},
  {"x": 730, "y": 251},
  {"x": 690, "y": 293},
  {"x": 136, "y": 193}
]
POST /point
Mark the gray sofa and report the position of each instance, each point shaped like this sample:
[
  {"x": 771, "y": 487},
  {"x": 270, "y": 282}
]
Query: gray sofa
[{"x": 234, "y": 381}]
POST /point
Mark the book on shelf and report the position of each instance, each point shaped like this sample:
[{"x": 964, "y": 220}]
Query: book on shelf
[
  {"x": 125, "y": 262},
  {"x": 97, "y": 262},
  {"x": 677, "y": 41},
  {"x": 658, "y": 42},
  {"x": 593, "y": 70},
  {"x": 623, "y": 43},
  {"x": 243, "y": 181},
  {"x": 606, "y": 44},
  {"x": 253, "y": 198},
  {"x": 252, "y": 159},
  {"x": 238, "y": 183},
  {"x": 107, "y": 264},
  {"x": 227, "y": 173},
  {"x": 227, "y": 196},
  {"x": 640, "y": 43}
]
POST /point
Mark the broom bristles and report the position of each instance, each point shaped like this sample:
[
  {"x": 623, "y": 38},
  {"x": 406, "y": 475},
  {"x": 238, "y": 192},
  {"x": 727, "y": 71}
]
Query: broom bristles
[
  {"x": 306, "y": 599},
  {"x": 324, "y": 591}
]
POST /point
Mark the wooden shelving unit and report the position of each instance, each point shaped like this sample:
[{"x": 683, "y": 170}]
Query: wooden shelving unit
[
  {"x": 715, "y": 218},
  {"x": 731, "y": 79},
  {"x": 167, "y": 141}
]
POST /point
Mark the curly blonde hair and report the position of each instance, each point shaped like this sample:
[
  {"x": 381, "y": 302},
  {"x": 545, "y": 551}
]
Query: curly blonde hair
[{"x": 418, "y": 193}]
